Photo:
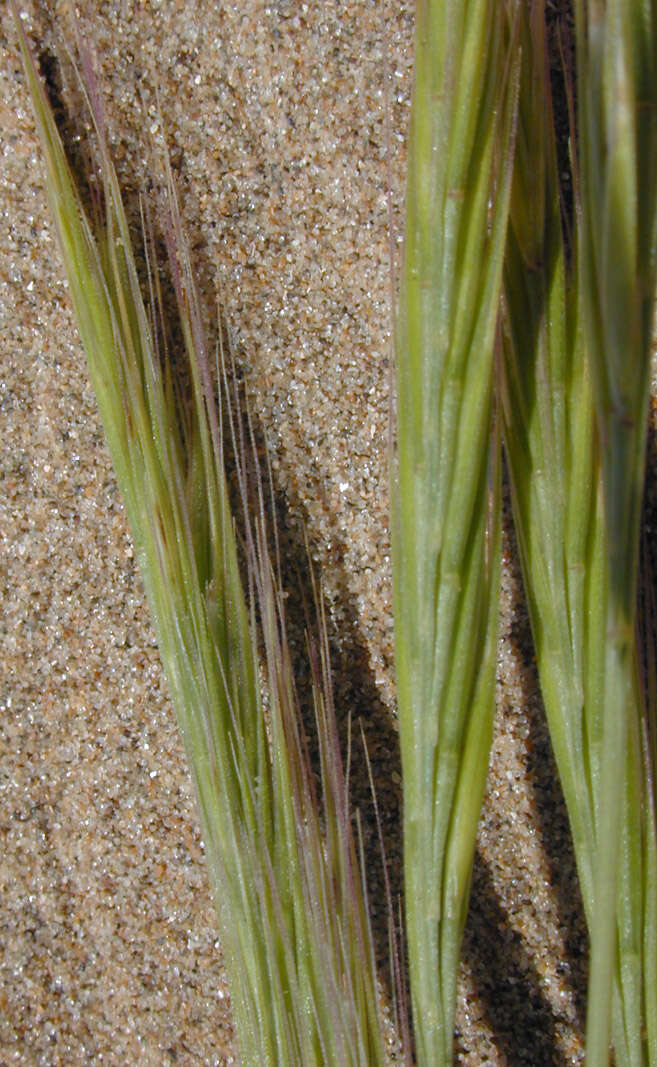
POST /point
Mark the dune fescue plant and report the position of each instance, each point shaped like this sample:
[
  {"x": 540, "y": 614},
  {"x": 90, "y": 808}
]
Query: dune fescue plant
[
  {"x": 287, "y": 879},
  {"x": 520, "y": 320},
  {"x": 559, "y": 489},
  {"x": 446, "y": 518}
]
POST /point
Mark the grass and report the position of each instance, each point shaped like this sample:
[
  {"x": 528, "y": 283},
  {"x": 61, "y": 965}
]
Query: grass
[
  {"x": 520, "y": 321},
  {"x": 446, "y": 520},
  {"x": 559, "y": 491},
  {"x": 289, "y": 895},
  {"x": 617, "y": 57}
]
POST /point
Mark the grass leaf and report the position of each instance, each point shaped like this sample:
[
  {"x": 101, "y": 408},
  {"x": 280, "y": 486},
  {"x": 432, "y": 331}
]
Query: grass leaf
[
  {"x": 552, "y": 446},
  {"x": 446, "y": 484},
  {"x": 617, "y": 101}
]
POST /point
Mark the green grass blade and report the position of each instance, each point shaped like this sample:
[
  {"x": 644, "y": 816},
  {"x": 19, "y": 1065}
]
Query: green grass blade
[
  {"x": 549, "y": 438},
  {"x": 557, "y": 491},
  {"x": 289, "y": 895},
  {"x": 617, "y": 99},
  {"x": 446, "y": 510},
  {"x": 648, "y": 647}
]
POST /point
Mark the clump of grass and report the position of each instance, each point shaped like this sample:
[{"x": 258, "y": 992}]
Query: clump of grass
[
  {"x": 573, "y": 387},
  {"x": 446, "y": 519},
  {"x": 562, "y": 490},
  {"x": 285, "y": 871}
]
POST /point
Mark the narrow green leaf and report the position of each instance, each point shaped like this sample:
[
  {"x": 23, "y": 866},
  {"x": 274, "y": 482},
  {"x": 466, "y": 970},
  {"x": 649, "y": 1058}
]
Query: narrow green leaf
[
  {"x": 558, "y": 503},
  {"x": 446, "y": 485}
]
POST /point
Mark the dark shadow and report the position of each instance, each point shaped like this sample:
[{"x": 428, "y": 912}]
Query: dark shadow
[
  {"x": 507, "y": 983},
  {"x": 516, "y": 1009}
]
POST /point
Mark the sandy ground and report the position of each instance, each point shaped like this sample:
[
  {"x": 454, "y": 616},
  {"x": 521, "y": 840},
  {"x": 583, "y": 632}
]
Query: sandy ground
[{"x": 274, "y": 116}]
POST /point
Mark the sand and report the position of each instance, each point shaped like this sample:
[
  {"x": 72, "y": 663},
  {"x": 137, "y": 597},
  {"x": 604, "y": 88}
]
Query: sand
[{"x": 274, "y": 116}]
